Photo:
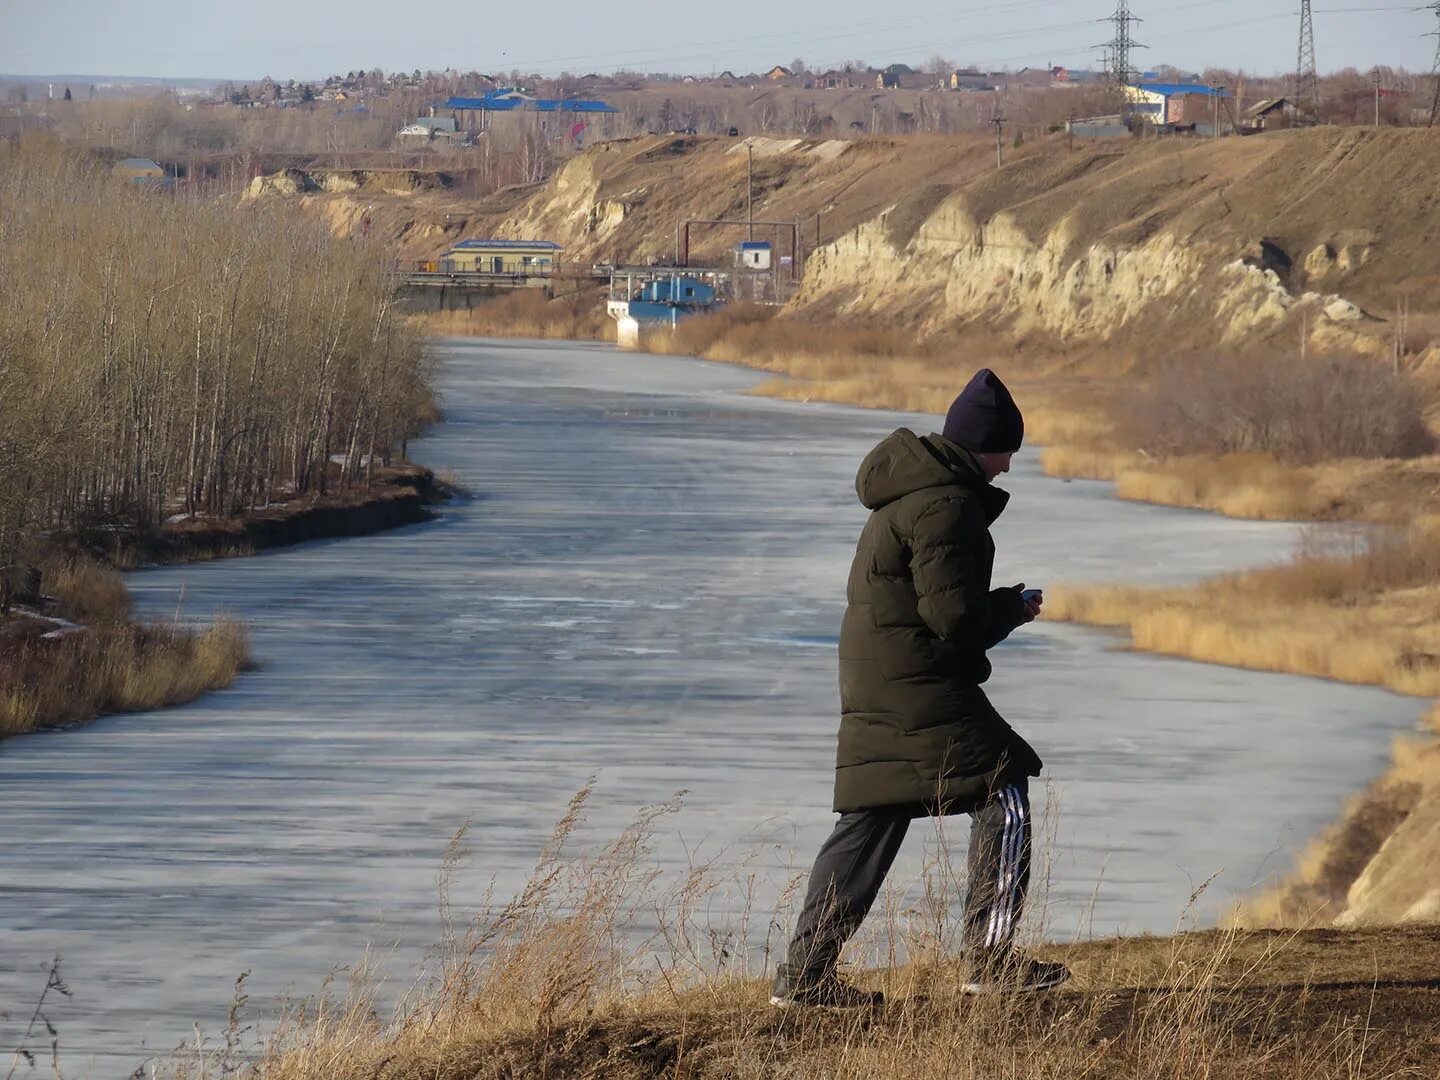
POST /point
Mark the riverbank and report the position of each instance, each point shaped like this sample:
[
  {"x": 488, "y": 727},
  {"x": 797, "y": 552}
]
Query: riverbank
[
  {"x": 77, "y": 652},
  {"x": 555, "y": 983},
  {"x": 1257, "y": 1006}
]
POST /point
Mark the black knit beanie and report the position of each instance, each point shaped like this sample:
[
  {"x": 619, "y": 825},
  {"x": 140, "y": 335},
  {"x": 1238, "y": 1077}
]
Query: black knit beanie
[{"x": 985, "y": 418}]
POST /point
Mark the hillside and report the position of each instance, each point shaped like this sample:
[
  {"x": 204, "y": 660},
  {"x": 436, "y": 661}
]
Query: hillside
[{"x": 1103, "y": 241}]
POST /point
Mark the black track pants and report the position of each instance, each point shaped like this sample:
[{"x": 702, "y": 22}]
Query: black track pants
[{"x": 853, "y": 862}]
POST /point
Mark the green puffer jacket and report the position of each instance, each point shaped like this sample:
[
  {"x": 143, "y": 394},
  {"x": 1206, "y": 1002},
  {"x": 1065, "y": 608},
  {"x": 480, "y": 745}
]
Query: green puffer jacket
[{"x": 916, "y": 728}]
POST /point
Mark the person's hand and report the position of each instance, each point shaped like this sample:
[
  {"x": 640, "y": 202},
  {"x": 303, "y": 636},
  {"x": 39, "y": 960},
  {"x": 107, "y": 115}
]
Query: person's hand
[{"x": 1034, "y": 601}]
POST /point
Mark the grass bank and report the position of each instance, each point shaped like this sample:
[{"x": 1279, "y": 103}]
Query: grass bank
[
  {"x": 77, "y": 652},
  {"x": 80, "y": 653},
  {"x": 601, "y": 968}
]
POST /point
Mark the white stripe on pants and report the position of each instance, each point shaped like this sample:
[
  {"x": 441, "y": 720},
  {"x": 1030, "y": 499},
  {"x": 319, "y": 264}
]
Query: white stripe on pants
[{"x": 1012, "y": 842}]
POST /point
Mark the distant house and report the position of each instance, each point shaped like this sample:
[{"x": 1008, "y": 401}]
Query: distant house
[
  {"x": 428, "y": 129},
  {"x": 1033, "y": 78},
  {"x": 141, "y": 170},
  {"x": 835, "y": 80},
  {"x": 533, "y": 257},
  {"x": 726, "y": 76},
  {"x": 970, "y": 79},
  {"x": 658, "y": 304},
  {"x": 779, "y": 72},
  {"x": 1270, "y": 114},
  {"x": 895, "y": 77},
  {"x": 1066, "y": 77}
]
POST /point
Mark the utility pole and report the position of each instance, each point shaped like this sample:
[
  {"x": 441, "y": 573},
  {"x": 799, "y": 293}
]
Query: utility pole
[
  {"x": 1377, "y": 97},
  {"x": 999, "y": 122},
  {"x": 750, "y": 188},
  {"x": 1307, "y": 83},
  {"x": 1435, "y": 68}
]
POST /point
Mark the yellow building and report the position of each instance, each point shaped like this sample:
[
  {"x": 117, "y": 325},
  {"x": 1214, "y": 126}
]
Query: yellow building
[{"x": 501, "y": 257}]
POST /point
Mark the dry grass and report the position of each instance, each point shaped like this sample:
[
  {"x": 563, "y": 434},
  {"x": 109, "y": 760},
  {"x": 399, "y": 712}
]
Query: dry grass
[
  {"x": 1086, "y": 425},
  {"x": 86, "y": 591},
  {"x": 599, "y": 968},
  {"x": 1371, "y": 616},
  {"x": 113, "y": 668},
  {"x": 524, "y": 313}
]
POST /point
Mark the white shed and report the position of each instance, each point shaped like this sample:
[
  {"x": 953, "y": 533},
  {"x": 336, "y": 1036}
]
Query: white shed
[{"x": 753, "y": 254}]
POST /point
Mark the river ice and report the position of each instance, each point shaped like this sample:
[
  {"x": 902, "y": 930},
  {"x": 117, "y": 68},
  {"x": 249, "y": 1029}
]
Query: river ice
[{"x": 646, "y": 588}]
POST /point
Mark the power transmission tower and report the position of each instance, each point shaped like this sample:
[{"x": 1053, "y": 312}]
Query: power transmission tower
[
  {"x": 1307, "y": 82},
  {"x": 1120, "y": 45},
  {"x": 1435, "y": 69}
]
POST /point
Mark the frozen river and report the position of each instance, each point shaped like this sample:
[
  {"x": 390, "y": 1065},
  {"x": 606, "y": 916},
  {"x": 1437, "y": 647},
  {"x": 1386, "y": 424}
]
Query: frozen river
[{"x": 646, "y": 589}]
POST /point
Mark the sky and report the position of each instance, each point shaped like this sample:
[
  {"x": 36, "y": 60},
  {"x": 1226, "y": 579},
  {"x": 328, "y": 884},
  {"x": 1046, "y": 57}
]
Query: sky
[{"x": 245, "y": 39}]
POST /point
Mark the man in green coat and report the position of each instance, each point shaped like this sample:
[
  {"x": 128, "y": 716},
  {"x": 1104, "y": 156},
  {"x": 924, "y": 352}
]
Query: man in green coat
[{"x": 918, "y": 737}]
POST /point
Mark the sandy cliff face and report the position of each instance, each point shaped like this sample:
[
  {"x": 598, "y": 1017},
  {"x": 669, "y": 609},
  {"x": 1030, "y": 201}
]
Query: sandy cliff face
[{"x": 1094, "y": 244}]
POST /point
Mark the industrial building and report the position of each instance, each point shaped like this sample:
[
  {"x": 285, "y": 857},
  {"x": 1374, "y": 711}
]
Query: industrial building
[
  {"x": 530, "y": 257},
  {"x": 1174, "y": 103}
]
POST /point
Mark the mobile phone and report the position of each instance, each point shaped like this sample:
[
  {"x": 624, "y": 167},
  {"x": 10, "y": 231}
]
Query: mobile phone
[{"x": 1031, "y": 595}]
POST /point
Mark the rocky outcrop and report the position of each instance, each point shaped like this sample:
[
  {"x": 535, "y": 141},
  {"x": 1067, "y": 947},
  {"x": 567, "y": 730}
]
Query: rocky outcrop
[{"x": 291, "y": 182}]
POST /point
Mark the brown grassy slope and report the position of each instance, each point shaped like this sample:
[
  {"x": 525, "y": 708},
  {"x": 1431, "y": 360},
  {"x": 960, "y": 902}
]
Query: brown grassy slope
[
  {"x": 1071, "y": 271},
  {"x": 621, "y": 200}
]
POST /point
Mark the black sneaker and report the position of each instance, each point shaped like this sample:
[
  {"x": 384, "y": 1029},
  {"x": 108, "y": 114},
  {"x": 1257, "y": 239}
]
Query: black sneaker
[
  {"x": 825, "y": 992},
  {"x": 1014, "y": 973}
]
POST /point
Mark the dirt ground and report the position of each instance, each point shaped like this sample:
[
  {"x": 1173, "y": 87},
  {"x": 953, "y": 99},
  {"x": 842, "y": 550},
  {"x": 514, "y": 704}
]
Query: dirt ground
[{"x": 1313, "y": 1004}]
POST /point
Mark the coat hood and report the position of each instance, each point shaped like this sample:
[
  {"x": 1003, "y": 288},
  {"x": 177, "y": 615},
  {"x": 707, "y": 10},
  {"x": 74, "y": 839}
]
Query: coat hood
[{"x": 904, "y": 462}]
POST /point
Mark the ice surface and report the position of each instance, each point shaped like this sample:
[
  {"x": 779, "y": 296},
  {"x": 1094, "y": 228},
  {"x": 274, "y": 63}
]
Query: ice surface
[{"x": 647, "y": 588}]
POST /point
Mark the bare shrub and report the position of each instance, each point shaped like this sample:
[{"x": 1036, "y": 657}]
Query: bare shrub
[
  {"x": 159, "y": 353},
  {"x": 1299, "y": 411},
  {"x": 525, "y": 313}
]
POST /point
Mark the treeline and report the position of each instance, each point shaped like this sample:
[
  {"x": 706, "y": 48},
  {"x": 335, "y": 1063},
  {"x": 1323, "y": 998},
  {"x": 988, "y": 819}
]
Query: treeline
[{"x": 162, "y": 355}]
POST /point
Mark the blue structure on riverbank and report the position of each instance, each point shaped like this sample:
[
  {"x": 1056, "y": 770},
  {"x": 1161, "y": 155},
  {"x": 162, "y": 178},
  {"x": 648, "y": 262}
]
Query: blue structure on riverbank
[{"x": 660, "y": 302}]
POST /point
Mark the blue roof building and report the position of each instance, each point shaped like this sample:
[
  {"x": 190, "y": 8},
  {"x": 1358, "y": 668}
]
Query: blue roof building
[
  {"x": 506, "y": 99},
  {"x": 1173, "y": 103}
]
